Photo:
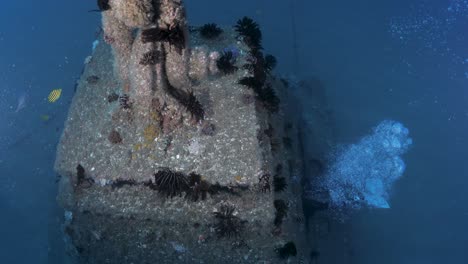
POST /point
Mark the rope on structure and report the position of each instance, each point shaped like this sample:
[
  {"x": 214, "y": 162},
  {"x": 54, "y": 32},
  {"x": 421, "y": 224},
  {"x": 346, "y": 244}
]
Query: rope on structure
[{"x": 294, "y": 33}]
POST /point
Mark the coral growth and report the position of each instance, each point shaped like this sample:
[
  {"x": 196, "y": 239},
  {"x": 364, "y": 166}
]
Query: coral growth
[
  {"x": 228, "y": 225},
  {"x": 210, "y": 31}
]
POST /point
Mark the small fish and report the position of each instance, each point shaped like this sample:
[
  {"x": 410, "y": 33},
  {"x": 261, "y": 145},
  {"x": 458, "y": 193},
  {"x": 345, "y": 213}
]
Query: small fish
[
  {"x": 54, "y": 95},
  {"x": 22, "y": 102}
]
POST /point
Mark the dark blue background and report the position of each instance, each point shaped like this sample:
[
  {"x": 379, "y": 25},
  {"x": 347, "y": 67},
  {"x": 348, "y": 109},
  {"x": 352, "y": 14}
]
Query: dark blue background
[{"x": 371, "y": 72}]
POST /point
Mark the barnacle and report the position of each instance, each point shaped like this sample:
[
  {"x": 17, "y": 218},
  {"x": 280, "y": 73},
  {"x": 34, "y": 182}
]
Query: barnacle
[
  {"x": 170, "y": 183},
  {"x": 225, "y": 63},
  {"x": 228, "y": 225},
  {"x": 210, "y": 31},
  {"x": 250, "y": 32}
]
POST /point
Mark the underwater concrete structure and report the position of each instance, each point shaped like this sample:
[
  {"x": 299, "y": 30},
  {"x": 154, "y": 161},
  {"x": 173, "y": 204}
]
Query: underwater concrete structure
[{"x": 179, "y": 145}]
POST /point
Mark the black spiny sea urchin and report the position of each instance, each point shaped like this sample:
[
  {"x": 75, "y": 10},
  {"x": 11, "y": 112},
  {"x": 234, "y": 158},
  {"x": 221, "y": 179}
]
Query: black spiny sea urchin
[
  {"x": 279, "y": 183},
  {"x": 228, "y": 225},
  {"x": 287, "y": 250},
  {"x": 210, "y": 31},
  {"x": 170, "y": 183},
  {"x": 103, "y": 5},
  {"x": 250, "y": 31},
  {"x": 226, "y": 62}
]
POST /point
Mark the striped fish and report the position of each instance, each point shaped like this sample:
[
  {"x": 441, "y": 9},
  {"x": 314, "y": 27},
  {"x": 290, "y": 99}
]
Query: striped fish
[{"x": 54, "y": 95}]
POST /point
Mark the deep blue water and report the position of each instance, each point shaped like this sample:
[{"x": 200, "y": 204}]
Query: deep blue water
[{"x": 404, "y": 60}]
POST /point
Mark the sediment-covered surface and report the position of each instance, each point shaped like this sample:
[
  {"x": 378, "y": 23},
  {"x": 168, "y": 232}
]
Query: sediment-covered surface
[{"x": 108, "y": 156}]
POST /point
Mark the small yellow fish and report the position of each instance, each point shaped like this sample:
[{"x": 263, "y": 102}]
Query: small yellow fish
[
  {"x": 54, "y": 95},
  {"x": 45, "y": 117}
]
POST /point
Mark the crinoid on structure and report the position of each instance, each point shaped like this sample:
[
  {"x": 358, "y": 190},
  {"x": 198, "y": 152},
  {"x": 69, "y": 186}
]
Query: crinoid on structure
[
  {"x": 198, "y": 188},
  {"x": 279, "y": 183},
  {"x": 170, "y": 183},
  {"x": 173, "y": 35},
  {"x": 281, "y": 211},
  {"x": 210, "y": 31},
  {"x": 227, "y": 224},
  {"x": 250, "y": 31},
  {"x": 225, "y": 63},
  {"x": 150, "y": 58}
]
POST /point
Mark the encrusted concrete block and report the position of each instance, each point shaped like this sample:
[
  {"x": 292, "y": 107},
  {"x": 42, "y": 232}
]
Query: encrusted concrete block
[{"x": 245, "y": 203}]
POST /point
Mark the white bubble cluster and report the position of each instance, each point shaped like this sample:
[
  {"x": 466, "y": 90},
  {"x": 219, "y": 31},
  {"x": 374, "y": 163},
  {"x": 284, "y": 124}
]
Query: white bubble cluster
[
  {"x": 428, "y": 29},
  {"x": 363, "y": 173}
]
